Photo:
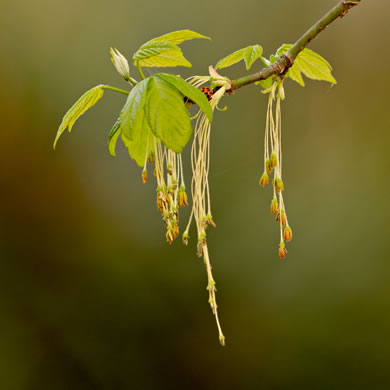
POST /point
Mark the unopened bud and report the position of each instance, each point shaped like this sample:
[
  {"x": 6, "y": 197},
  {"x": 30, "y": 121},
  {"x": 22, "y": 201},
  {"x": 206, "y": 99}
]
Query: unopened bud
[
  {"x": 268, "y": 166},
  {"x": 144, "y": 176},
  {"x": 287, "y": 234},
  {"x": 169, "y": 169},
  {"x": 264, "y": 179},
  {"x": 274, "y": 206},
  {"x": 279, "y": 185},
  {"x": 120, "y": 63},
  {"x": 274, "y": 160},
  {"x": 282, "y": 250}
]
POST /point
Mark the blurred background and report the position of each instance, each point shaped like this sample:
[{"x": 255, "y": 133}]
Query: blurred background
[{"x": 91, "y": 295}]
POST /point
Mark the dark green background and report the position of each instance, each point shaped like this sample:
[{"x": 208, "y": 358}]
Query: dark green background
[{"x": 91, "y": 295}]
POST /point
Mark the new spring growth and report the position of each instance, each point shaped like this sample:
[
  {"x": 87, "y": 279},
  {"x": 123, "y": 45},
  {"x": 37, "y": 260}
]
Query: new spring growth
[
  {"x": 273, "y": 161},
  {"x": 200, "y": 189},
  {"x": 120, "y": 63}
]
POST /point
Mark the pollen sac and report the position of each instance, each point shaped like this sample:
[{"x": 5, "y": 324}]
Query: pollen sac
[
  {"x": 151, "y": 158},
  {"x": 144, "y": 176},
  {"x": 264, "y": 179},
  {"x": 279, "y": 185},
  {"x": 274, "y": 160},
  {"x": 210, "y": 220},
  {"x": 185, "y": 238},
  {"x": 287, "y": 234},
  {"x": 182, "y": 198},
  {"x": 281, "y": 218},
  {"x": 274, "y": 206},
  {"x": 282, "y": 250},
  {"x": 268, "y": 166}
]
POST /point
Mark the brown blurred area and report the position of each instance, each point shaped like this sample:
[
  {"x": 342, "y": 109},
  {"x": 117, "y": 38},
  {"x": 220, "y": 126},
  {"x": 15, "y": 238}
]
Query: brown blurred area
[{"x": 91, "y": 295}]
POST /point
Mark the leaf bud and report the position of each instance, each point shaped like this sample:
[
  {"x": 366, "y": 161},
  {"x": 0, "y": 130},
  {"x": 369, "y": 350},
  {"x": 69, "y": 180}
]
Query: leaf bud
[{"x": 120, "y": 63}]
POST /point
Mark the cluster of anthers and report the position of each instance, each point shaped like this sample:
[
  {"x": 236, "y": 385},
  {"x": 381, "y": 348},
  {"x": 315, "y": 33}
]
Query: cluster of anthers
[{"x": 273, "y": 163}]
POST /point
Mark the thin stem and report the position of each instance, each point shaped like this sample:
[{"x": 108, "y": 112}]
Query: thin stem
[
  {"x": 281, "y": 66},
  {"x": 140, "y": 71},
  {"x": 132, "y": 81},
  {"x": 115, "y": 89}
]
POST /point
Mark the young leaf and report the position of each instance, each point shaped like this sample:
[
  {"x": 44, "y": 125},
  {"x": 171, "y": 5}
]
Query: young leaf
[
  {"x": 141, "y": 145},
  {"x": 160, "y": 54},
  {"x": 311, "y": 64},
  {"x": 178, "y": 37},
  {"x": 163, "y": 51},
  {"x": 132, "y": 114},
  {"x": 190, "y": 92},
  {"x": 113, "y": 137},
  {"x": 230, "y": 60},
  {"x": 166, "y": 114},
  {"x": 265, "y": 83},
  {"x": 86, "y": 101},
  {"x": 251, "y": 54}
]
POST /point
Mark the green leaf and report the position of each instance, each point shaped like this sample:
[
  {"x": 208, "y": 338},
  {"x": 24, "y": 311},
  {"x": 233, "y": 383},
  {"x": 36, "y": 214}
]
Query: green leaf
[
  {"x": 178, "y": 37},
  {"x": 142, "y": 144},
  {"x": 155, "y": 106},
  {"x": 311, "y": 64},
  {"x": 190, "y": 92},
  {"x": 160, "y": 54},
  {"x": 251, "y": 54},
  {"x": 230, "y": 60},
  {"x": 163, "y": 51},
  {"x": 131, "y": 116},
  {"x": 265, "y": 83},
  {"x": 295, "y": 75},
  {"x": 113, "y": 137},
  {"x": 166, "y": 114},
  {"x": 86, "y": 101}
]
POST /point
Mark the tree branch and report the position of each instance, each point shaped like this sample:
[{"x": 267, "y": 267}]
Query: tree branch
[{"x": 281, "y": 66}]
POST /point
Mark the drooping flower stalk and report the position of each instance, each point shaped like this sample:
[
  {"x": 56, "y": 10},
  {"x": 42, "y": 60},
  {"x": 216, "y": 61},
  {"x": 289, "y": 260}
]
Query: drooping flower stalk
[
  {"x": 200, "y": 189},
  {"x": 273, "y": 162}
]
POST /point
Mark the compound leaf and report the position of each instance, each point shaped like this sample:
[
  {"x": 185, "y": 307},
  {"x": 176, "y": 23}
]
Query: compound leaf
[
  {"x": 166, "y": 114},
  {"x": 190, "y": 92},
  {"x": 86, "y": 101},
  {"x": 251, "y": 54}
]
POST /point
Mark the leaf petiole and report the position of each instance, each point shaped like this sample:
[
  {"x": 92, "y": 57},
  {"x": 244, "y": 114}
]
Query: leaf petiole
[{"x": 115, "y": 89}]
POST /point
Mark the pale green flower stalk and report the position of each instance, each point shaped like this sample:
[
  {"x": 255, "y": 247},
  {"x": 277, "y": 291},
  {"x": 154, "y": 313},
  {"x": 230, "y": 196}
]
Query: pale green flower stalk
[
  {"x": 200, "y": 163},
  {"x": 273, "y": 162}
]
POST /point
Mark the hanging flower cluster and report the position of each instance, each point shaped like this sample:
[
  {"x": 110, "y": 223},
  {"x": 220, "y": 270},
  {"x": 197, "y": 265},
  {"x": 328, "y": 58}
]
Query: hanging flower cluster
[{"x": 273, "y": 163}]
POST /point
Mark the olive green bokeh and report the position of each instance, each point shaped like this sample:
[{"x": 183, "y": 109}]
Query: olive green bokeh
[{"x": 91, "y": 295}]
